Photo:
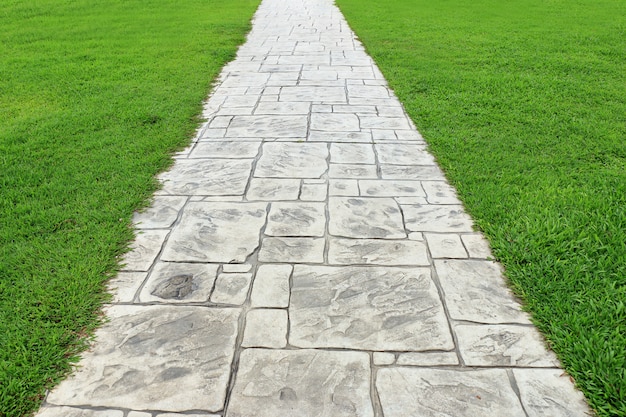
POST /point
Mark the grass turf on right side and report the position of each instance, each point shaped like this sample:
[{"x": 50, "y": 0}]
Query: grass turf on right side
[{"x": 524, "y": 105}]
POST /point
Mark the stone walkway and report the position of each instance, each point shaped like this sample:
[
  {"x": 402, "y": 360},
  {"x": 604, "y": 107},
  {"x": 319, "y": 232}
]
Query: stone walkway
[{"x": 306, "y": 257}]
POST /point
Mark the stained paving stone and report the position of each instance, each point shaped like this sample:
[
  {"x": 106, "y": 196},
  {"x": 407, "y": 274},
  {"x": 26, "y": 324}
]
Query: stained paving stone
[
  {"x": 231, "y": 288},
  {"x": 292, "y": 250},
  {"x": 216, "y": 232},
  {"x": 207, "y": 177},
  {"x": 144, "y": 250},
  {"x": 377, "y": 252},
  {"x": 179, "y": 282},
  {"x": 366, "y": 308},
  {"x": 156, "y": 357},
  {"x": 296, "y": 219},
  {"x": 230, "y": 149},
  {"x": 437, "y": 392},
  {"x": 433, "y": 218},
  {"x": 266, "y": 328},
  {"x": 292, "y": 160},
  {"x": 365, "y": 218},
  {"x": 428, "y": 358},
  {"x": 271, "y": 286},
  {"x": 161, "y": 214},
  {"x": 272, "y": 189},
  {"x": 445, "y": 245},
  {"x": 307, "y": 383}
]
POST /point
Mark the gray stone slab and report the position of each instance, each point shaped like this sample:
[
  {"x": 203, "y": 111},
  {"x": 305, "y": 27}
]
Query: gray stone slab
[
  {"x": 243, "y": 79},
  {"x": 503, "y": 345},
  {"x": 367, "y": 91},
  {"x": 292, "y": 160},
  {"x": 352, "y": 153},
  {"x": 383, "y": 358},
  {"x": 440, "y": 192},
  {"x": 230, "y": 149},
  {"x": 161, "y": 214},
  {"x": 335, "y": 122},
  {"x": 366, "y": 308},
  {"x": 207, "y": 177},
  {"x": 306, "y": 383},
  {"x": 314, "y": 192},
  {"x": 437, "y": 392},
  {"x": 477, "y": 246},
  {"x": 445, "y": 245},
  {"x": 156, "y": 357},
  {"x": 365, "y": 218},
  {"x": 292, "y": 250},
  {"x": 51, "y": 411},
  {"x": 377, "y": 252},
  {"x": 265, "y": 328},
  {"x": 283, "y": 108},
  {"x": 179, "y": 282},
  {"x": 268, "y": 126},
  {"x": 403, "y": 154},
  {"x": 296, "y": 219},
  {"x": 475, "y": 291},
  {"x": 319, "y": 136},
  {"x": 216, "y": 232},
  {"x": 271, "y": 286},
  {"x": 313, "y": 94},
  {"x": 433, "y": 218},
  {"x": 386, "y": 188},
  {"x": 377, "y": 122},
  {"x": 352, "y": 171},
  {"x": 428, "y": 359},
  {"x": 144, "y": 250},
  {"x": 343, "y": 187},
  {"x": 412, "y": 172},
  {"x": 124, "y": 286},
  {"x": 231, "y": 288},
  {"x": 273, "y": 189}
]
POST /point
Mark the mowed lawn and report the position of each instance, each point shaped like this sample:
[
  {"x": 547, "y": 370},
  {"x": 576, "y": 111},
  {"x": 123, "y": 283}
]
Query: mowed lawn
[
  {"x": 94, "y": 98},
  {"x": 524, "y": 105}
]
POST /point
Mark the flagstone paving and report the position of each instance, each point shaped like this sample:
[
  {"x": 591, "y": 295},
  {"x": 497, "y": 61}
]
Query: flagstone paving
[{"x": 306, "y": 257}]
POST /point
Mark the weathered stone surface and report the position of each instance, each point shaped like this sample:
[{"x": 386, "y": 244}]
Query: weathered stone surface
[
  {"x": 296, "y": 219},
  {"x": 271, "y": 286},
  {"x": 428, "y": 358},
  {"x": 403, "y": 154},
  {"x": 207, "y": 177},
  {"x": 314, "y": 192},
  {"x": 503, "y": 345},
  {"x": 231, "y": 288},
  {"x": 412, "y": 172},
  {"x": 306, "y": 383},
  {"x": 436, "y": 392},
  {"x": 267, "y": 126},
  {"x": 292, "y": 250},
  {"x": 144, "y": 250},
  {"x": 236, "y": 267},
  {"x": 351, "y": 153},
  {"x": 352, "y": 171},
  {"x": 124, "y": 286},
  {"x": 343, "y": 188},
  {"x": 156, "y": 357},
  {"x": 386, "y": 188},
  {"x": 368, "y": 308},
  {"x": 549, "y": 392},
  {"x": 432, "y": 218},
  {"x": 230, "y": 149},
  {"x": 266, "y": 328},
  {"x": 216, "y": 232},
  {"x": 477, "y": 246},
  {"x": 377, "y": 252},
  {"x": 292, "y": 160},
  {"x": 51, "y": 411},
  {"x": 272, "y": 189},
  {"x": 162, "y": 213},
  {"x": 440, "y": 192},
  {"x": 335, "y": 122},
  {"x": 179, "y": 282},
  {"x": 383, "y": 358},
  {"x": 377, "y": 122},
  {"x": 365, "y": 218},
  {"x": 320, "y": 136},
  {"x": 367, "y": 91},
  {"x": 476, "y": 291},
  {"x": 313, "y": 94},
  {"x": 283, "y": 108},
  {"x": 445, "y": 245}
]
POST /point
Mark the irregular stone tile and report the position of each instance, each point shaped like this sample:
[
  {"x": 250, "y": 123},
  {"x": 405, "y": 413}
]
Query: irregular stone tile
[
  {"x": 365, "y": 218},
  {"x": 51, "y": 411},
  {"x": 231, "y": 288},
  {"x": 352, "y": 171},
  {"x": 384, "y": 134},
  {"x": 306, "y": 383},
  {"x": 212, "y": 133},
  {"x": 407, "y": 201},
  {"x": 335, "y": 122},
  {"x": 403, "y": 154},
  {"x": 476, "y": 291},
  {"x": 125, "y": 285},
  {"x": 296, "y": 219},
  {"x": 377, "y": 252},
  {"x": 367, "y": 91},
  {"x": 314, "y": 192},
  {"x": 432, "y": 218},
  {"x": 428, "y": 358},
  {"x": 265, "y": 328},
  {"x": 179, "y": 282},
  {"x": 272, "y": 189},
  {"x": 386, "y": 188},
  {"x": 550, "y": 392},
  {"x": 319, "y": 136},
  {"x": 477, "y": 246},
  {"x": 144, "y": 250},
  {"x": 412, "y": 135},
  {"x": 292, "y": 250},
  {"x": 503, "y": 345},
  {"x": 283, "y": 108},
  {"x": 268, "y": 126},
  {"x": 377, "y": 122},
  {"x": 236, "y": 268},
  {"x": 243, "y": 79},
  {"x": 437, "y": 392},
  {"x": 292, "y": 160},
  {"x": 343, "y": 187},
  {"x": 161, "y": 214},
  {"x": 321, "y": 108},
  {"x": 391, "y": 111},
  {"x": 241, "y": 101},
  {"x": 366, "y": 308},
  {"x": 351, "y": 153},
  {"x": 320, "y": 59},
  {"x": 216, "y": 232},
  {"x": 446, "y": 245},
  {"x": 207, "y": 177},
  {"x": 156, "y": 357},
  {"x": 383, "y": 358},
  {"x": 318, "y": 75},
  {"x": 232, "y": 149},
  {"x": 313, "y": 94},
  {"x": 439, "y": 192},
  {"x": 339, "y": 108},
  {"x": 412, "y": 172},
  {"x": 271, "y": 286}
]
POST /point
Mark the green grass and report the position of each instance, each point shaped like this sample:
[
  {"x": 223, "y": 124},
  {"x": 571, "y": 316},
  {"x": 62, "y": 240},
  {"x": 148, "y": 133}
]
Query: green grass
[
  {"x": 524, "y": 105},
  {"x": 94, "y": 97}
]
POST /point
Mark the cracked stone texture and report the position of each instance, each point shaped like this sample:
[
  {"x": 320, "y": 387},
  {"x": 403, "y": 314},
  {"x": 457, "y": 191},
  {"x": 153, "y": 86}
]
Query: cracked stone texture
[
  {"x": 296, "y": 219},
  {"x": 377, "y": 252},
  {"x": 161, "y": 214},
  {"x": 179, "y": 282},
  {"x": 207, "y": 177},
  {"x": 365, "y": 218},
  {"x": 292, "y": 160}
]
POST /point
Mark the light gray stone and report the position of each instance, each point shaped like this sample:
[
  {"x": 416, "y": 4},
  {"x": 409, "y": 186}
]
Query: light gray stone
[
  {"x": 475, "y": 291},
  {"x": 377, "y": 122},
  {"x": 351, "y": 153},
  {"x": 231, "y": 149},
  {"x": 216, "y": 232},
  {"x": 367, "y": 91},
  {"x": 236, "y": 267},
  {"x": 366, "y": 308},
  {"x": 335, "y": 122},
  {"x": 179, "y": 282},
  {"x": 268, "y": 126},
  {"x": 184, "y": 415},
  {"x": 207, "y": 177},
  {"x": 292, "y": 250},
  {"x": 319, "y": 136},
  {"x": 240, "y": 101},
  {"x": 144, "y": 250},
  {"x": 403, "y": 154},
  {"x": 445, "y": 245},
  {"x": 156, "y": 357},
  {"x": 231, "y": 288},
  {"x": 161, "y": 214},
  {"x": 313, "y": 94},
  {"x": 365, "y": 218},
  {"x": 266, "y": 328},
  {"x": 343, "y": 188},
  {"x": 283, "y": 108},
  {"x": 51, "y": 411},
  {"x": 124, "y": 286},
  {"x": 428, "y": 358},
  {"x": 477, "y": 246},
  {"x": 437, "y": 392},
  {"x": 439, "y": 192},
  {"x": 139, "y": 414},
  {"x": 306, "y": 383},
  {"x": 412, "y": 172},
  {"x": 432, "y": 218},
  {"x": 292, "y": 160},
  {"x": 272, "y": 189},
  {"x": 314, "y": 192},
  {"x": 271, "y": 286},
  {"x": 352, "y": 171},
  {"x": 377, "y": 252},
  {"x": 383, "y": 358},
  {"x": 296, "y": 219},
  {"x": 503, "y": 345},
  {"x": 386, "y": 188}
]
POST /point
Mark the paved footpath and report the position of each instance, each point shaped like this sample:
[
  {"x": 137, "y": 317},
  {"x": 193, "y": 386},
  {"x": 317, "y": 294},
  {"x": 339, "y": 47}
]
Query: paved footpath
[{"x": 306, "y": 257}]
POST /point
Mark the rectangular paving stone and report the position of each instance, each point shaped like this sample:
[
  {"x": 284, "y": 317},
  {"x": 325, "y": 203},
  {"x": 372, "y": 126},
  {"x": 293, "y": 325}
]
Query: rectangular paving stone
[
  {"x": 319, "y": 136},
  {"x": 428, "y": 358},
  {"x": 377, "y": 252},
  {"x": 353, "y": 171},
  {"x": 231, "y": 288},
  {"x": 306, "y": 383},
  {"x": 386, "y": 188},
  {"x": 433, "y": 218},
  {"x": 367, "y": 91},
  {"x": 343, "y": 187},
  {"x": 268, "y": 126},
  {"x": 365, "y": 218},
  {"x": 271, "y": 286},
  {"x": 477, "y": 246},
  {"x": 335, "y": 122},
  {"x": 284, "y": 108},
  {"x": 51, "y": 411},
  {"x": 179, "y": 282},
  {"x": 156, "y": 357},
  {"x": 412, "y": 172},
  {"x": 314, "y": 192},
  {"x": 403, "y": 154},
  {"x": 265, "y": 328},
  {"x": 438, "y": 392},
  {"x": 272, "y": 189},
  {"x": 313, "y": 94},
  {"x": 124, "y": 286},
  {"x": 292, "y": 250},
  {"x": 377, "y": 122},
  {"x": 216, "y": 232},
  {"x": 207, "y": 177},
  {"x": 296, "y": 219},
  {"x": 445, "y": 245},
  {"x": 292, "y": 160},
  {"x": 352, "y": 153},
  {"x": 366, "y": 308},
  {"x": 161, "y": 214},
  {"x": 229, "y": 149},
  {"x": 144, "y": 250},
  {"x": 440, "y": 192}
]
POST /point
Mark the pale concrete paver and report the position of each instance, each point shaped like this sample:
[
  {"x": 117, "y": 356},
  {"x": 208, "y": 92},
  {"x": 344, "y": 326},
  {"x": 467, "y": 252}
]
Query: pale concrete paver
[{"x": 306, "y": 257}]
